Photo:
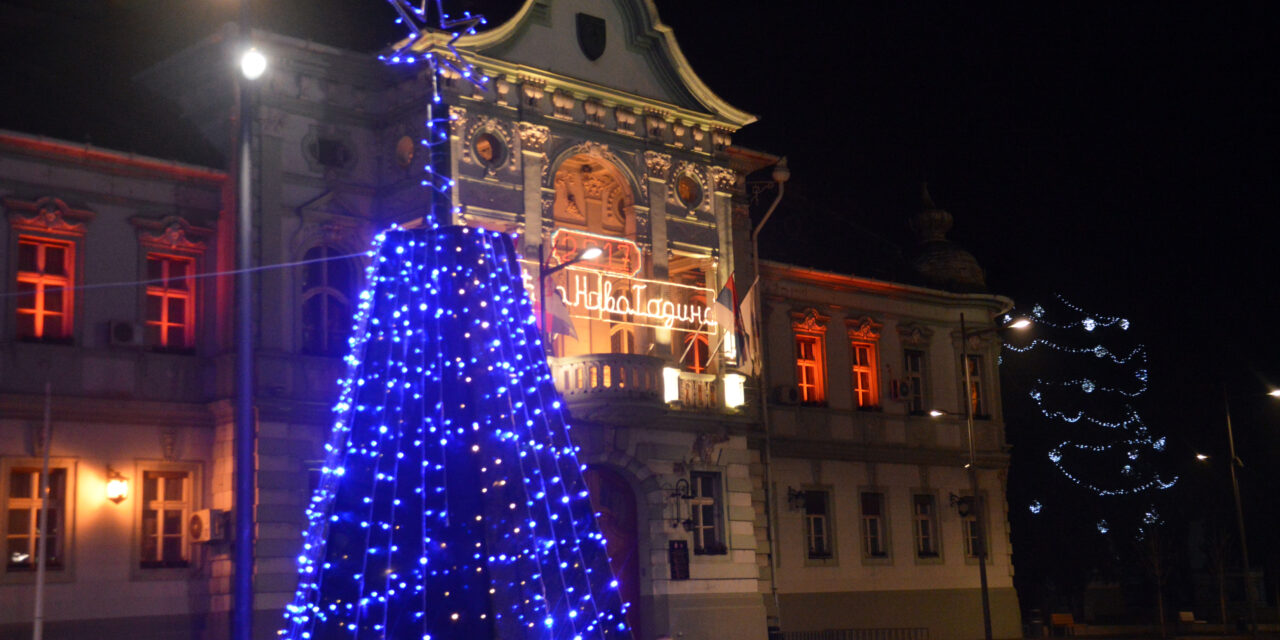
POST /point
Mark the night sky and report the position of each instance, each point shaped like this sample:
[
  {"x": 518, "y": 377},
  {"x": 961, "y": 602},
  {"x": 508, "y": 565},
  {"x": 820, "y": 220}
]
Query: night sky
[{"x": 1123, "y": 154}]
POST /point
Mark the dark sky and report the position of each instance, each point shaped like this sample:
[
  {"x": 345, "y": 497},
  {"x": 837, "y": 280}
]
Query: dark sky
[{"x": 1123, "y": 154}]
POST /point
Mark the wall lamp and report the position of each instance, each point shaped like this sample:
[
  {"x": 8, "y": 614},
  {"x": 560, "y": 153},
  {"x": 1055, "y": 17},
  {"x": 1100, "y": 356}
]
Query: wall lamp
[
  {"x": 679, "y": 494},
  {"x": 117, "y": 486},
  {"x": 795, "y": 499},
  {"x": 963, "y": 504}
]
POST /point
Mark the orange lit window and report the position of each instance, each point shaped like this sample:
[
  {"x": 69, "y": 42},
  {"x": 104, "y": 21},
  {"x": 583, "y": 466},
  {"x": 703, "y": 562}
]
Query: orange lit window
[
  {"x": 810, "y": 373},
  {"x": 45, "y": 275},
  {"x": 865, "y": 384},
  {"x": 696, "y": 353},
  {"x": 170, "y": 301},
  {"x": 975, "y": 386}
]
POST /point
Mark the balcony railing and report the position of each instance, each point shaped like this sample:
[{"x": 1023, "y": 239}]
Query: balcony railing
[{"x": 628, "y": 386}]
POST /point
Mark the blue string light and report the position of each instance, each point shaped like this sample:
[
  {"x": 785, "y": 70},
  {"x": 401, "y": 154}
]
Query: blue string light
[
  {"x": 1125, "y": 452},
  {"x": 452, "y": 502}
]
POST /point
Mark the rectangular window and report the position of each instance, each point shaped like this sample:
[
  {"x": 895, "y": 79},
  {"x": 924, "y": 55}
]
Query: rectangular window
[
  {"x": 913, "y": 384},
  {"x": 44, "y": 289},
  {"x": 24, "y": 509},
  {"x": 971, "y": 540},
  {"x": 166, "y": 506},
  {"x": 817, "y": 524},
  {"x": 875, "y": 543},
  {"x": 926, "y": 525},
  {"x": 975, "y": 385},
  {"x": 706, "y": 507},
  {"x": 810, "y": 373},
  {"x": 865, "y": 382},
  {"x": 170, "y": 301}
]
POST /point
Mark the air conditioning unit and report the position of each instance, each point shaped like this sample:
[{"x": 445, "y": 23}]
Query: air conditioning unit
[
  {"x": 786, "y": 394},
  {"x": 124, "y": 334},
  {"x": 208, "y": 525}
]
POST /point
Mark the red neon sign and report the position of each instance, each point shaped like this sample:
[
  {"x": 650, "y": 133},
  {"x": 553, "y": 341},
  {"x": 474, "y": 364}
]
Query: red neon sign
[{"x": 621, "y": 256}]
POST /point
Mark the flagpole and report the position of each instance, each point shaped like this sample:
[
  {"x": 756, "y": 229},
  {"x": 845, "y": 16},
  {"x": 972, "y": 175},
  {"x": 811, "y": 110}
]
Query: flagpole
[{"x": 42, "y": 543}]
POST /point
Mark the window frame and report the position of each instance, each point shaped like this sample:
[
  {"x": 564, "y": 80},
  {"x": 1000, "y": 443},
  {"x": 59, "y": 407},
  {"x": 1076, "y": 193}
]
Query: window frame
[
  {"x": 42, "y": 281},
  {"x": 967, "y": 533},
  {"x": 194, "y": 502},
  {"x": 325, "y": 290},
  {"x": 975, "y": 390},
  {"x": 832, "y": 557},
  {"x": 810, "y": 326},
  {"x": 716, "y": 501},
  {"x": 66, "y": 571},
  {"x": 190, "y": 297},
  {"x": 935, "y": 521},
  {"x": 885, "y": 553},
  {"x": 872, "y": 392},
  {"x": 916, "y": 400},
  {"x": 47, "y": 220}
]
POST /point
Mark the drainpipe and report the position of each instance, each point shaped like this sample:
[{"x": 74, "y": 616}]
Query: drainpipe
[{"x": 780, "y": 175}]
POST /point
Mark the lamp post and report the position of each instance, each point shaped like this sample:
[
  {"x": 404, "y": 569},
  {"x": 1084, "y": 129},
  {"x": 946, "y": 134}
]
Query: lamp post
[
  {"x": 544, "y": 272},
  {"x": 1235, "y": 492},
  {"x": 978, "y": 508},
  {"x": 252, "y": 65}
]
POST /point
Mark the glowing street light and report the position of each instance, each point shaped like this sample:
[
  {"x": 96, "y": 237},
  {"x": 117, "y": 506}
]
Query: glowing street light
[{"x": 253, "y": 64}]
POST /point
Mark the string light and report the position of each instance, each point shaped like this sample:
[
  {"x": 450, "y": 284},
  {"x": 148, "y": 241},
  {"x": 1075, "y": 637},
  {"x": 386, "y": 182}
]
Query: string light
[
  {"x": 452, "y": 503},
  {"x": 1124, "y": 457}
]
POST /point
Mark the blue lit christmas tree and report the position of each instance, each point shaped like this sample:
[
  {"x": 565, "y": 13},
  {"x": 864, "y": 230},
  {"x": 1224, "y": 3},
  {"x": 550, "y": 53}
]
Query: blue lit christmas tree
[{"x": 452, "y": 503}]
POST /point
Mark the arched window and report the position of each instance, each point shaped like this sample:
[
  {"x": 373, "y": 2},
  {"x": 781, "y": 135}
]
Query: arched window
[{"x": 327, "y": 282}]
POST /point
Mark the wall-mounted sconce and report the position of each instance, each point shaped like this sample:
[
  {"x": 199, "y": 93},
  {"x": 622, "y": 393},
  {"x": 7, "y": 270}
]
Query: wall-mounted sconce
[
  {"x": 795, "y": 499},
  {"x": 117, "y": 486},
  {"x": 679, "y": 495},
  {"x": 963, "y": 505}
]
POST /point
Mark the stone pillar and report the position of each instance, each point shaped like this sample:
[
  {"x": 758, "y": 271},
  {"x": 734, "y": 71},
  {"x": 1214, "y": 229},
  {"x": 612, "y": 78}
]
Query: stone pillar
[
  {"x": 533, "y": 144},
  {"x": 658, "y": 166}
]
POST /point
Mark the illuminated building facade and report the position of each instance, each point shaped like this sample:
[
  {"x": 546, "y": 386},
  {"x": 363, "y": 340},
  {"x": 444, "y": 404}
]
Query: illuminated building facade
[{"x": 592, "y": 132}]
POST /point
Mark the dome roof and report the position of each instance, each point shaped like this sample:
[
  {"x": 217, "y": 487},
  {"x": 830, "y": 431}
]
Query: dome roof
[{"x": 937, "y": 261}]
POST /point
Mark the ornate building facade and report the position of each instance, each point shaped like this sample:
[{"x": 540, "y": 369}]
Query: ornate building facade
[{"x": 593, "y": 132}]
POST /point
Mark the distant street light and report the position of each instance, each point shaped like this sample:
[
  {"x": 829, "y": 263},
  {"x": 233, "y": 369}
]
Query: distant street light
[{"x": 1232, "y": 463}]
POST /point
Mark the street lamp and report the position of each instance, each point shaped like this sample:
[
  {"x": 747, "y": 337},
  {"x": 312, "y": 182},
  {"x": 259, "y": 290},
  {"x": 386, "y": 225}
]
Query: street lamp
[
  {"x": 1232, "y": 463},
  {"x": 980, "y": 546},
  {"x": 252, "y": 65},
  {"x": 544, "y": 272}
]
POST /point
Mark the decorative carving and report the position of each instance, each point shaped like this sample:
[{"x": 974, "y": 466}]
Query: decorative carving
[
  {"x": 864, "y": 329},
  {"x": 655, "y": 126},
  {"x": 809, "y": 321},
  {"x": 705, "y": 445},
  {"x": 913, "y": 334},
  {"x": 47, "y": 215},
  {"x": 723, "y": 178},
  {"x": 457, "y": 119},
  {"x": 533, "y": 138},
  {"x": 562, "y": 105},
  {"x": 657, "y": 165},
  {"x": 721, "y": 140},
  {"x": 487, "y": 144},
  {"x": 533, "y": 95},
  {"x": 169, "y": 443},
  {"x": 503, "y": 89},
  {"x": 594, "y": 112},
  {"x": 626, "y": 121}
]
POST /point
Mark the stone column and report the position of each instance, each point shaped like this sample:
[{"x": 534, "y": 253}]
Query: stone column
[
  {"x": 658, "y": 166},
  {"x": 533, "y": 144}
]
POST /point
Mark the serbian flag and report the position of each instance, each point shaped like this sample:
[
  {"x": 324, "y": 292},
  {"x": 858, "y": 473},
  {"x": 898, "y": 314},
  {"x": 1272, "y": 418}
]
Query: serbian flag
[
  {"x": 561, "y": 323},
  {"x": 727, "y": 311}
]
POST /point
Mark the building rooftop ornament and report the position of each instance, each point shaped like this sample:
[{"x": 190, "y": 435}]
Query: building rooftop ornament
[{"x": 937, "y": 261}]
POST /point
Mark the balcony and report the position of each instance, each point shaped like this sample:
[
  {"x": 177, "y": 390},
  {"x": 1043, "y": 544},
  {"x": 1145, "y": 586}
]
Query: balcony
[{"x": 627, "y": 388}]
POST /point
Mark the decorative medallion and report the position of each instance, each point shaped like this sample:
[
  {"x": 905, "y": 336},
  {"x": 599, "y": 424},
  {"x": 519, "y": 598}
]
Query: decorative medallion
[
  {"x": 591, "y": 35},
  {"x": 404, "y": 151},
  {"x": 688, "y": 190},
  {"x": 489, "y": 150}
]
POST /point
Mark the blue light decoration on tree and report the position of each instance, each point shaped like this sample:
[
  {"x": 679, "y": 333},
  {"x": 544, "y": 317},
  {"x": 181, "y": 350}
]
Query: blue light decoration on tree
[
  {"x": 452, "y": 503},
  {"x": 1105, "y": 446}
]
